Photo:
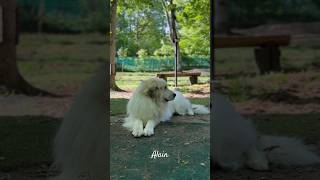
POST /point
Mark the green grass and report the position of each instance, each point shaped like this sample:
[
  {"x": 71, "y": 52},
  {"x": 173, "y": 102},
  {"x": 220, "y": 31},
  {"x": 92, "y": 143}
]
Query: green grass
[
  {"x": 238, "y": 74},
  {"x": 130, "y": 80},
  {"x": 297, "y": 125},
  {"x": 55, "y": 62}
]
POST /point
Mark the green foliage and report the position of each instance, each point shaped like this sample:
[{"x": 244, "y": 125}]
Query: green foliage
[
  {"x": 142, "y": 53},
  {"x": 165, "y": 50},
  {"x": 251, "y": 12},
  {"x": 140, "y": 26},
  {"x": 122, "y": 52},
  {"x": 64, "y": 16},
  {"x": 194, "y": 21}
]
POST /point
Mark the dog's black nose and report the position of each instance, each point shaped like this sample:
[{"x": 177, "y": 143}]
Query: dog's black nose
[{"x": 174, "y": 94}]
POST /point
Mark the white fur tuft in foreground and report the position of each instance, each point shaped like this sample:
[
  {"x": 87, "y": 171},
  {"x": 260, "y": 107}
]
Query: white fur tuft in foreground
[
  {"x": 80, "y": 144},
  {"x": 200, "y": 109},
  {"x": 236, "y": 144},
  {"x": 288, "y": 151}
]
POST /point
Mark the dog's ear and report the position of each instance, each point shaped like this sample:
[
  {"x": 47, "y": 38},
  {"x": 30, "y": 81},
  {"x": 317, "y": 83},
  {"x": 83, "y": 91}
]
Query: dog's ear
[{"x": 151, "y": 93}]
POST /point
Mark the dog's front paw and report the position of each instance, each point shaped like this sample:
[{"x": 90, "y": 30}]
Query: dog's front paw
[
  {"x": 148, "y": 131},
  {"x": 137, "y": 130}
]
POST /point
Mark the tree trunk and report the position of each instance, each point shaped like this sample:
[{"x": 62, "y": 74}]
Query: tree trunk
[
  {"x": 113, "y": 22},
  {"x": 221, "y": 17},
  {"x": 9, "y": 73},
  {"x": 41, "y": 11},
  {"x": 171, "y": 19}
]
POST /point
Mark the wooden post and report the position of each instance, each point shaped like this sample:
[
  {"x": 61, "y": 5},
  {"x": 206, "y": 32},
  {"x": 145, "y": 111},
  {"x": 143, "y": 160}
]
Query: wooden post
[
  {"x": 268, "y": 59},
  {"x": 176, "y": 65},
  {"x": 193, "y": 79}
]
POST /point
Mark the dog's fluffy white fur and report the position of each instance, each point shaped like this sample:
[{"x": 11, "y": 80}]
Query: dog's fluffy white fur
[
  {"x": 80, "y": 144},
  {"x": 152, "y": 102},
  {"x": 236, "y": 144},
  {"x": 182, "y": 106}
]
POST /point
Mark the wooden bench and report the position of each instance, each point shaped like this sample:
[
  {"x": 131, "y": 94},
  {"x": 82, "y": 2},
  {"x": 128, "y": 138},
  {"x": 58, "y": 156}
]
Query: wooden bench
[
  {"x": 267, "y": 55},
  {"x": 193, "y": 76}
]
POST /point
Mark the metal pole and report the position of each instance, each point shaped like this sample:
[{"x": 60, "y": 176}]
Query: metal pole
[{"x": 176, "y": 64}]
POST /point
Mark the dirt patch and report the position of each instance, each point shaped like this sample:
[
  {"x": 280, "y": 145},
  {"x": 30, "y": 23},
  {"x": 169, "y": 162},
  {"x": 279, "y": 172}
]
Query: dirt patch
[{"x": 19, "y": 105}]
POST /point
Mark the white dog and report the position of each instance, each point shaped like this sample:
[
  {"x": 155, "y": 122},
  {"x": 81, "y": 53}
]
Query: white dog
[
  {"x": 182, "y": 106},
  {"x": 152, "y": 102},
  {"x": 80, "y": 145},
  {"x": 235, "y": 143},
  {"x": 146, "y": 106}
]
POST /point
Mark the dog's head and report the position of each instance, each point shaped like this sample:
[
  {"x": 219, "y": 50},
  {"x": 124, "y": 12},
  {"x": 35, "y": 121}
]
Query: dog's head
[{"x": 156, "y": 89}]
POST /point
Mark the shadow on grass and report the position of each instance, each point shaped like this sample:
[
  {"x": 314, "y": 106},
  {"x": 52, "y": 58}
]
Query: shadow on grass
[
  {"x": 26, "y": 141},
  {"x": 304, "y": 126}
]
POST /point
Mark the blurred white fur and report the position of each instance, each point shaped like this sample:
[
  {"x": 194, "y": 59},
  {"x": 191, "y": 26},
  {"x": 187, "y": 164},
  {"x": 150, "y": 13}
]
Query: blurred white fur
[
  {"x": 236, "y": 143},
  {"x": 80, "y": 144}
]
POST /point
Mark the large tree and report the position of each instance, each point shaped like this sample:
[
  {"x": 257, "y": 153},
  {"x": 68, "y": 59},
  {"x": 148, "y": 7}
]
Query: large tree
[
  {"x": 10, "y": 76},
  {"x": 113, "y": 27},
  {"x": 140, "y": 26},
  {"x": 221, "y": 16}
]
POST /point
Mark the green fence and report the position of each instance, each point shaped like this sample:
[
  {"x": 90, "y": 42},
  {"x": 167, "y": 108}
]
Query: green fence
[{"x": 156, "y": 64}]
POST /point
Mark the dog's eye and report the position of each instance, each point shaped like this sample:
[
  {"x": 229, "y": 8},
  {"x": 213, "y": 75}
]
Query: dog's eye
[{"x": 165, "y": 87}]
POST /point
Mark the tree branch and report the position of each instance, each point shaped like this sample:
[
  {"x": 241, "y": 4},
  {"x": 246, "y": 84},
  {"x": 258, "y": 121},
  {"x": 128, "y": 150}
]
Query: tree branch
[{"x": 168, "y": 20}]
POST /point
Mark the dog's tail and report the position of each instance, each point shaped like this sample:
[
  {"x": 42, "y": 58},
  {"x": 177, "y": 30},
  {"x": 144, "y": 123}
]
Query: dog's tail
[
  {"x": 286, "y": 151},
  {"x": 200, "y": 109}
]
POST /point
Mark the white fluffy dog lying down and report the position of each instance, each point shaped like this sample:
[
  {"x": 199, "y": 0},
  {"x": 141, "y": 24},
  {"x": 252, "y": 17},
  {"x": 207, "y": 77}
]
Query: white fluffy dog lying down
[
  {"x": 236, "y": 144},
  {"x": 152, "y": 102},
  {"x": 80, "y": 145}
]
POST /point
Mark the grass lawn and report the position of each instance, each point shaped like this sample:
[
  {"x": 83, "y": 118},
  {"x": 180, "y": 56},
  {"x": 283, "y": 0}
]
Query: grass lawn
[
  {"x": 238, "y": 77},
  {"x": 130, "y": 80},
  {"x": 60, "y": 63}
]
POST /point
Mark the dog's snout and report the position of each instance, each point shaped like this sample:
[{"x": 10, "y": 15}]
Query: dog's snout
[{"x": 174, "y": 94}]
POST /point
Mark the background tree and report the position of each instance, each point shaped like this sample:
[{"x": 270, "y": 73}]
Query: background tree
[
  {"x": 170, "y": 12},
  {"x": 10, "y": 76},
  {"x": 113, "y": 24},
  {"x": 141, "y": 24},
  {"x": 194, "y": 21},
  {"x": 221, "y": 16}
]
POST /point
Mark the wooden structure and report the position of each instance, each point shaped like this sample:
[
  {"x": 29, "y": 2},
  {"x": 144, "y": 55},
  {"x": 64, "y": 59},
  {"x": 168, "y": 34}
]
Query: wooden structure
[
  {"x": 193, "y": 76},
  {"x": 267, "y": 53}
]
